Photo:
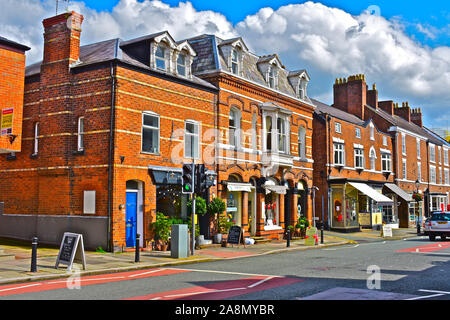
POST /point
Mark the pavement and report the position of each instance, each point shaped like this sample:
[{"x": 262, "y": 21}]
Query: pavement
[{"x": 15, "y": 257}]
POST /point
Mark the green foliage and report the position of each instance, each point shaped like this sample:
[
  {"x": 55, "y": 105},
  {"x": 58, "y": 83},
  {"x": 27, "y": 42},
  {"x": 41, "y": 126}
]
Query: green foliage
[
  {"x": 100, "y": 250},
  {"x": 162, "y": 227},
  {"x": 302, "y": 223},
  {"x": 200, "y": 206},
  {"x": 216, "y": 206},
  {"x": 225, "y": 223}
]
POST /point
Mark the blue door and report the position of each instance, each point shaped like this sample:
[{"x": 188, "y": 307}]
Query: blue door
[{"x": 131, "y": 219}]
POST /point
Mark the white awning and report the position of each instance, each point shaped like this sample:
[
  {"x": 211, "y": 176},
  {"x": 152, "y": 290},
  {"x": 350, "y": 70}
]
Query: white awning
[
  {"x": 275, "y": 189},
  {"x": 402, "y": 194},
  {"x": 380, "y": 199},
  {"x": 235, "y": 186}
]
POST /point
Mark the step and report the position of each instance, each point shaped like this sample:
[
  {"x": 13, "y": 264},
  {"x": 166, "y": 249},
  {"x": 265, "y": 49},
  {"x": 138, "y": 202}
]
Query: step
[
  {"x": 264, "y": 240},
  {"x": 7, "y": 257}
]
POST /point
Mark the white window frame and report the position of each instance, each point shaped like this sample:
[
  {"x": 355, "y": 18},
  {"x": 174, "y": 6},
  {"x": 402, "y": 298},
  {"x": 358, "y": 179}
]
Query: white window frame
[
  {"x": 404, "y": 169},
  {"x": 254, "y": 131},
  {"x": 359, "y": 153},
  {"x": 36, "y": 138},
  {"x": 80, "y": 135},
  {"x": 235, "y": 53},
  {"x": 282, "y": 135},
  {"x": 386, "y": 162},
  {"x": 152, "y": 114},
  {"x": 440, "y": 154},
  {"x": 418, "y": 148},
  {"x": 373, "y": 158},
  {"x": 403, "y": 144},
  {"x": 339, "y": 148},
  {"x": 440, "y": 175},
  {"x": 445, "y": 157},
  {"x": 433, "y": 174},
  {"x": 446, "y": 177},
  {"x": 419, "y": 171},
  {"x": 185, "y": 65},
  {"x": 196, "y": 137},
  {"x": 385, "y": 143},
  {"x": 358, "y": 133},
  {"x": 158, "y": 58},
  {"x": 372, "y": 131},
  {"x": 302, "y": 142},
  {"x": 235, "y": 139},
  {"x": 432, "y": 151},
  {"x": 271, "y": 77},
  {"x": 338, "y": 127}
]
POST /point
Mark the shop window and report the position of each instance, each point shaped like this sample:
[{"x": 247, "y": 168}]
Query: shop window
[
  {"x": 191, "y": 140},
  {"x": 337, "y": 208},
  {"x": 171, "y": 202},
  {"x": 271, "y": 209},
  {"x": 388, "y": 215},
  {"x": 351, "y": 208},
  {"x": 150, "y": 133}
]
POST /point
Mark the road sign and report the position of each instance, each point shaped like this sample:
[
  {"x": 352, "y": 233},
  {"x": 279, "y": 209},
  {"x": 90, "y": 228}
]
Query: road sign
[{"x": 71, "y": 250}]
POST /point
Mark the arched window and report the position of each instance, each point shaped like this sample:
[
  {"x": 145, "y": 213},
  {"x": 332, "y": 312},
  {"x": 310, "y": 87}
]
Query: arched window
[
  {"x": 254, "y": 132},
  {"x": 302, "y": 142},
  {"x": 234, "y": 126},
  {"x": 372, "y": 157}
]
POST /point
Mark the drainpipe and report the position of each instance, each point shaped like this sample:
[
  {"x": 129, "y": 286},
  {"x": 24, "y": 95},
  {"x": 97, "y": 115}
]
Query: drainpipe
[
  {"x": 328, "y": 124},
  {"x": 111, "y": 154}
]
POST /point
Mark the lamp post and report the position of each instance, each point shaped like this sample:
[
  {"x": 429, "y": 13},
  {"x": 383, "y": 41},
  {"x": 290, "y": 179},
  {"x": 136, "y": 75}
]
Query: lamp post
[{"x": 417, "y": 206}]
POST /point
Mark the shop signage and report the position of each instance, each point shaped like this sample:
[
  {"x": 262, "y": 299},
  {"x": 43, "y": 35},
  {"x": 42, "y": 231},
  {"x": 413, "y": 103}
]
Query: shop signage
[
  {"x": 311, "y": 236},
  {"x": 235, "y": 235},
  {"x": 71, "y": 250},
  {"x": 387, "y": 231},
  {"x": 6, "y": 121}
]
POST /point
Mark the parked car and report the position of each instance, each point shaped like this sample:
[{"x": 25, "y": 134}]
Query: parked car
[{"x": 438, "y": 225}]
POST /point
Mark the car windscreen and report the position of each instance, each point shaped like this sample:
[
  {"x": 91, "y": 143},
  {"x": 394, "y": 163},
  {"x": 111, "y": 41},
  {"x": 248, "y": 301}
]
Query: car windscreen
[{"x": 440, "y": 217}]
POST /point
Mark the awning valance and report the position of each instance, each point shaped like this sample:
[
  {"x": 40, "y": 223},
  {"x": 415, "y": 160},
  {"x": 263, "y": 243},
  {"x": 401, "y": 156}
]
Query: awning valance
[
  {"x": 396, "y": 189},
  {"x": 380, "y": 199},
  {"x": 235, "y": 186},
  {"x": 275, "y": 189}
]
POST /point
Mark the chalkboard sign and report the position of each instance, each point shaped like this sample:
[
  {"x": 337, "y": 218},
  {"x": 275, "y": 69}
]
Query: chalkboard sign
[
  {"x": 71, "y": 250},
  {"x": 235, "y": 235}
]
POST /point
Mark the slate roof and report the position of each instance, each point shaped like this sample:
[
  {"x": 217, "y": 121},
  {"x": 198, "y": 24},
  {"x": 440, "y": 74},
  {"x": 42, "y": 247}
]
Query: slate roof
[
  {"x": 13, "y": 44},
  {"x": 322, "y": 108},
  {"x": 117, "y": 49},
  {"x": 210, "y": 58}
]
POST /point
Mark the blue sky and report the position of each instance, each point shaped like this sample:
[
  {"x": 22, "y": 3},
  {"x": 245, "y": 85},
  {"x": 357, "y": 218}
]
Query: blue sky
[{"x": 434, "y": 16}]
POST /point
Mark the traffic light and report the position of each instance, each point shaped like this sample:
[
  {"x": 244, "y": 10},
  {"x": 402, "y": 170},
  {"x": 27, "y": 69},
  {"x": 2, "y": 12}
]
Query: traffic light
[
  {"x": 188, "y": 178},
  {"x": 201, "y": 178}
]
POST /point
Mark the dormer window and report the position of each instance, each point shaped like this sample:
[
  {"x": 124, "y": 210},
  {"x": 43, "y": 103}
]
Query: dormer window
[
  {"x": 181, "y": 65},
  {"x": 302, "y": 88},
  {"x": 271, "y": 77},
  {"x": 234, "y": 61},
  {"x": 160, "y": 57}
]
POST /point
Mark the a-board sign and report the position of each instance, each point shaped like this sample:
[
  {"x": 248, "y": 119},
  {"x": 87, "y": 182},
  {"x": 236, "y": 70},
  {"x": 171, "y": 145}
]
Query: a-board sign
[
  {"x": 235, "y": 235},
  {"x": 387, "y": 231},
  {"x": 71, "y": 250},
  {"x": 311, "y": 235}
]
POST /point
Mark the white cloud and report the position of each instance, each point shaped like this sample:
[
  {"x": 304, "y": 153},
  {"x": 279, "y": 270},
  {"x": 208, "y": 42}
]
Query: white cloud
[{"x": 329, "y": 42}]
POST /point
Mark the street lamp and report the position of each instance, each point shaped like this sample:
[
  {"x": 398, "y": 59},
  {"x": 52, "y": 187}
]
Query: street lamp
[{"x": 417, "y": 206}]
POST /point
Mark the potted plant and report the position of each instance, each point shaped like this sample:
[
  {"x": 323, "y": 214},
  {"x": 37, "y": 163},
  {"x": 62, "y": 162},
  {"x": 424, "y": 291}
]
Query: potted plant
[
  {"x": 161, "y": 228},
  {"x": 291, "y": 231},
  {"x": 215, "y": 208},
  {"x": 224, "y": 224},
  {"x": 417, "y": 196},
  {"x": 303, "y": 223}
]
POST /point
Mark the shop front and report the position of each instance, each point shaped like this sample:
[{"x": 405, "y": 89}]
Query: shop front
[
  {"x": 273, "y": 205},
  {"x": 438, "y": 202},
  {"x": 398, "y": 215},
  {"x": 356, "y": 205}
]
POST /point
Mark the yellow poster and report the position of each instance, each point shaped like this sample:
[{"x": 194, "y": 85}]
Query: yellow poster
[{"x": 7, "y": 121}]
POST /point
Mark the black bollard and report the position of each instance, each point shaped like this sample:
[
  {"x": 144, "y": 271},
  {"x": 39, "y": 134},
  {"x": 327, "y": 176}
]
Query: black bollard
[
  {"x": 34, "y": 254},
  {"x": 321, "y": 233},
  {"x": 137, "y": 257},
  {"x": 288, "y": 236},
  {"x": 418, "y": 226}
]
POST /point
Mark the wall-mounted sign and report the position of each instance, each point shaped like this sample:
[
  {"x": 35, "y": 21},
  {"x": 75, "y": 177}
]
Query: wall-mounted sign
[{"x": 6, "y": 123}]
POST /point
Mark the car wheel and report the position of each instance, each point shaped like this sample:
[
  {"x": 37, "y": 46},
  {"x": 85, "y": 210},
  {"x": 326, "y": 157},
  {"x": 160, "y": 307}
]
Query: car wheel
[
  {"x": 432, "y": 238},
  {"x": 443, "y": 238}
]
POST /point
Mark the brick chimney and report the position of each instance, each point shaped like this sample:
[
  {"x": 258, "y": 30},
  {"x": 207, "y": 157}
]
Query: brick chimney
[
  {"x": 416, "y": 117},
  {"x": 372, "y": 97},
  {"x": 62, "y": 39},
  {"x": 387, "y": 106},
  {"x": 403, "y": 112},
  {"x": 350, "y": 94}
]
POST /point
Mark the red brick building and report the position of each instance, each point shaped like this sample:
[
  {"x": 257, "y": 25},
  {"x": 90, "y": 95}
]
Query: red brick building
[
  {"x": 381, "y": 145},
  {"x": 12, "y": 71},
  {"x": 264, "y": 141},
  {"x": 102, "y": 148}
]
